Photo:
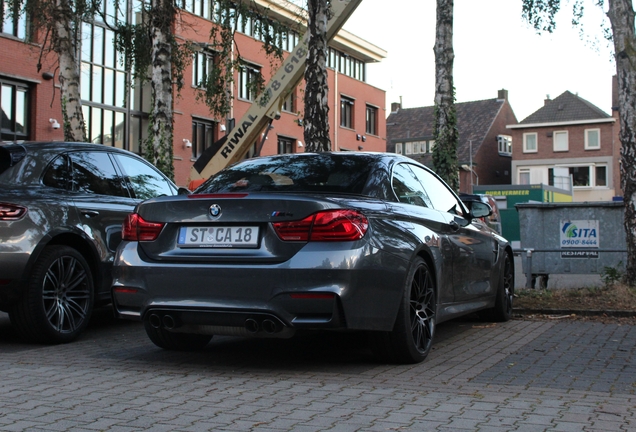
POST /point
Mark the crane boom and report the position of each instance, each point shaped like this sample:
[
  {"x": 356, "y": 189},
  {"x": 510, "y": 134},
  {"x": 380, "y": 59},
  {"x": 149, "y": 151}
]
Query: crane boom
[{"x": 267, "y": 106}]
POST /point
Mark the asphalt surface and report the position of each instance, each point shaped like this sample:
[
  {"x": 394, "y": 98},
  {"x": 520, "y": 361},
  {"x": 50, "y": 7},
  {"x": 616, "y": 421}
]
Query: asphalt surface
[{"x": 522, "y": 375}]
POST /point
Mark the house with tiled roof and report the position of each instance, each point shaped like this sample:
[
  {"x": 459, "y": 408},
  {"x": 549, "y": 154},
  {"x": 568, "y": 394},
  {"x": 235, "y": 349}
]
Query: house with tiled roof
[
  {"x": 571, "y": 144},
  {"x": 485, "y": 146}
]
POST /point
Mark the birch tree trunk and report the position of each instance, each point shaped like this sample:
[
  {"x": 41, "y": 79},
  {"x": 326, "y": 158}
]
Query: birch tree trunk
[
  {"x": 316, "y": 121},
  {"x": 621, "y": 15},
  {"x": 64, "y": 43},
  {"x": 445, "y": 131},
  {"x": 159, "y": 146}
]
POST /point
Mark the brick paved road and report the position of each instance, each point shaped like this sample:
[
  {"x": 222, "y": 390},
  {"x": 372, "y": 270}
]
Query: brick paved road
[{"x": 521, "y": 375}]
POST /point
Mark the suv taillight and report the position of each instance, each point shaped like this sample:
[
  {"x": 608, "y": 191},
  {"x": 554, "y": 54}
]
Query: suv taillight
[
  {"x": 135, "y": 228},
  {"x": 328, "y": 225},
  {"x": 11, "y": 212}
]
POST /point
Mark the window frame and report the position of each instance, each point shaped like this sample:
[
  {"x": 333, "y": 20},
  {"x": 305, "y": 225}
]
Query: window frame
[
  {"x": 204, "y": 134},
  {"x": 526, "y": 149},
  {"x": 11, "y": 133},
  {"x": 202, "y": 63},
  {"x": 371, "y": 120},
  {"x": 248, "y": 73},
  {"x": 554, "y": 141},
  {"x": 347, "y": 107},
  {"x": 504, "y": 140},
  {"x": 587, "y": 139},
  {"x": 523, "y": 171},
  {"x": 285, "y": 144},
  {"x": 19, "y": 25}
]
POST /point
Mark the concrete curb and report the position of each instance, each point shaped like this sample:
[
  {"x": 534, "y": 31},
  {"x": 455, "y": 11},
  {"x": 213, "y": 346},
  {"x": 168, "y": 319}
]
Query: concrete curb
[{"x": 609, "y": 313}]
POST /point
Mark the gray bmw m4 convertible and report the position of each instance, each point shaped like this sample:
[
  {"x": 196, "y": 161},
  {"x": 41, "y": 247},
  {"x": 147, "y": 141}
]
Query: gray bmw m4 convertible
[{"x": 369, "y": 242}]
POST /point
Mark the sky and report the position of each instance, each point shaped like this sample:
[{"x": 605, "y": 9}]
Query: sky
[{"x": 494, "y": 49}]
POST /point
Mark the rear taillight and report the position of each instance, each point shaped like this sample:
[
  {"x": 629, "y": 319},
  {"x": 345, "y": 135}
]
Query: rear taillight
[
  {"x": 135, "y": 228},
  {"x": 11, "y": 212},
  {"x": 329, "y": 225}
]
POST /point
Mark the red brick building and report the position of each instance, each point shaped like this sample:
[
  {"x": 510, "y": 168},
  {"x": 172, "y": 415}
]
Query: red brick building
[
  {"x": 571, "y": 144},
  {"x": 30, "y": 99},
  {"x": 484, "y": 150}
]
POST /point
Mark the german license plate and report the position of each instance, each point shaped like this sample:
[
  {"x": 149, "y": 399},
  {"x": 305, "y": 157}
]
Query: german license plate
[{"x": 218, "y": 237}]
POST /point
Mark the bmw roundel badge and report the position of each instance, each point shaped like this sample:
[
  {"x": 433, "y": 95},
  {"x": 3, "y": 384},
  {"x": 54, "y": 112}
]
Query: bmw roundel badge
[{"x": 215, "y": 210}]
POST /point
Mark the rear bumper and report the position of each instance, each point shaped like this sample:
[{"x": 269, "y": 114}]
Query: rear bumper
[
  {"x": 316, "y": 289},
  {"x": 12, "y": 267}
]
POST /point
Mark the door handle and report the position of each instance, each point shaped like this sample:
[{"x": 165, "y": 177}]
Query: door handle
[{"x": 89, "y": 213}]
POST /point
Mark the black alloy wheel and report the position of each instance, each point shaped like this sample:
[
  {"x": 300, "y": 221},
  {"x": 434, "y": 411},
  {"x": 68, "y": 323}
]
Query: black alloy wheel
[
  {"x": 58, "y": 301},
  {"x": 422, "y": 309},
  {"x": 411, "y": 339}
]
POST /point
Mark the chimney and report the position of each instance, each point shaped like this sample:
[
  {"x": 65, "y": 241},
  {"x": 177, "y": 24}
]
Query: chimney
[
  {"x": 395, "y": 107},
  {"x": 547, "y": 100},
  {"x": 502, "y": 94}
]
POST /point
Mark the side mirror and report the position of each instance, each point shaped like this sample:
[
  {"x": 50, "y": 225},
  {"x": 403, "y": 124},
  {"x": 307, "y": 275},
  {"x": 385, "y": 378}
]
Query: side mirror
[
  {"x": 479, "y": 209},
  {"x": 183, "y": 191}
]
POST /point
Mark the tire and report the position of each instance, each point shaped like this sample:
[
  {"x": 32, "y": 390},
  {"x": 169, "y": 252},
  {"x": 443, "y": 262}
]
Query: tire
[
  {"x": 411, "y": 339},
  {"x": 58, "y": 301},
  {"x": 505, "y": 294},
  {"x": 176, "y": 341}
]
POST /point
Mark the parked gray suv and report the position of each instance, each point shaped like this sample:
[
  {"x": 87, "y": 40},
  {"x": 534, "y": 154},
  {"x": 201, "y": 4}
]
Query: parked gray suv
[{"x": 62, "y": 206}]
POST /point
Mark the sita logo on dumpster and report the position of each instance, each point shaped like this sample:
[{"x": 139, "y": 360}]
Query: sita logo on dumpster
[{"x": 583, "y": 233}]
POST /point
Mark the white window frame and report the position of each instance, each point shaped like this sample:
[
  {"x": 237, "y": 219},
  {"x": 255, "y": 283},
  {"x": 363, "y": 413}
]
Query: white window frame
[
  {"x": 554, "y": 141},
  {"x": 398, "y": 148},
  {"x": 526, "y": 149},
  {"x": 408, "y": 148},
  {"x": 504, "y": 143},
  {"x": 247, "y": 74},
  {"x": 430, "y": 146},
  {"x": 523, "y": 171},
  {"x": 587, "y": 139}
]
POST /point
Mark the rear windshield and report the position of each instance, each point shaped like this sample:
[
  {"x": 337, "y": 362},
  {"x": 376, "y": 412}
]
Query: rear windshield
[{"x": 307, "y": 173}]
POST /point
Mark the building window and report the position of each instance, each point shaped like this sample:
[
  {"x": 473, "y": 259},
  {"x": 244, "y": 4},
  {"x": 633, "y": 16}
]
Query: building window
[
  {"x": 398, "y": 148},
  {"x": 580, "y": 176},
  {"x": 524, "y": 176},
  {"x": 14, "y": 100},
  {"x": 592, "y": 139},
  {"x": 408, "y": 148},
  {"x": 197, "y": 7},
  {"x": 346, "y": 112},
  {"x": 559, "y": 177},
  {"x": 202, "y": 136},
  {"x": 103, "y": 83},
  {"x": 600, "y": 179},
  {"x": 285, "y": 145},
  {"x": 249, "y": 80},
  {"x": 560, "y": 141},
  {"x": 14, "y": 25},
  {"x": 431, "y": 145},
  {"x": 504, "y": 143},
  {"x": 202, "y": 65},
  {"x": 372, "y": 120},
  {"x": 529, "y": 142},
  {"x": 289, "y": 104},
  {"x": 346, "y": 64}
]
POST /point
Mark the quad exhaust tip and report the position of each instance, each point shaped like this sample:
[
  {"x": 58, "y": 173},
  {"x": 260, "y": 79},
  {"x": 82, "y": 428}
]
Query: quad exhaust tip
[
  {"x": 267, "y": 325},
  {"x": 167, "y": 321},
  {"x": 251, "y": 325}
]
